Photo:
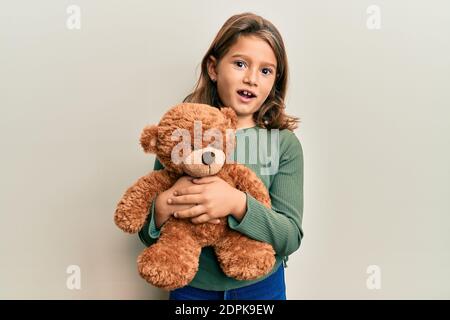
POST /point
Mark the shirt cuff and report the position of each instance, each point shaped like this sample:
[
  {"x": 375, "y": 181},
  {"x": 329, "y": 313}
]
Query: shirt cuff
[
  {"x": 153, "y": 231},
  {"x": 253, "y": 220}
]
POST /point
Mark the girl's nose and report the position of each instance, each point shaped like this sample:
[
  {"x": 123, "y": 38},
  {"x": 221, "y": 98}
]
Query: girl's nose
[{"x": 250, "y": 78}]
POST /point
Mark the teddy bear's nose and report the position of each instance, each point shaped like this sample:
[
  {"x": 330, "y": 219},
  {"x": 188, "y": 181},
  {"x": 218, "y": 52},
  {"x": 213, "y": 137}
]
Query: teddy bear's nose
[{"x": 208, "y": 158}]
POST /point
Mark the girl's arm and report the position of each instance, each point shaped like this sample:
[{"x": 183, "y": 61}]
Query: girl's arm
[
  {"x": 281, "y": 225},
  {"x": 160, "y": 211},
  {"x": 149, "y": 232}
]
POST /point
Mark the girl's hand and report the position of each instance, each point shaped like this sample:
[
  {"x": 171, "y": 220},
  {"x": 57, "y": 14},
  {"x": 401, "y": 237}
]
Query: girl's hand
[
  {"x": 214, "y": 199},
  {"x": 163, "y": 210}
]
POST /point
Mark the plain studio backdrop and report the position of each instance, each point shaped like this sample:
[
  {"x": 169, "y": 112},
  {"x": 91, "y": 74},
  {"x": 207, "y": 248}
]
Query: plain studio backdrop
[{"x": 369, "y": 80}]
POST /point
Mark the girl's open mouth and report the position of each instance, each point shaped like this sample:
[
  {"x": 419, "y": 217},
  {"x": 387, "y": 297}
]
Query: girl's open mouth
[{"x": 245, "y": 95}]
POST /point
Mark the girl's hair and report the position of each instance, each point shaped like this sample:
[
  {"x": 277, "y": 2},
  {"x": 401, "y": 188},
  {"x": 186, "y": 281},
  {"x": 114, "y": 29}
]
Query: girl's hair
[{"x": 271, "y": 114}]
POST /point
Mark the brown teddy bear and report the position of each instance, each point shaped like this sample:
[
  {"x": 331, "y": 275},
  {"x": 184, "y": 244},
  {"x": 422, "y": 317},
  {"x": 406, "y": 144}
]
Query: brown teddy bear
[{"x": 172, "y": 261}]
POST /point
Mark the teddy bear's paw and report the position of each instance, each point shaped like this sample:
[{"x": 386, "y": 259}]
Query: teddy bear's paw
[
  {"x": 248, "y": 264},
  {"x": 127, "y": 224},
  {"x": 165, "y": 268}
]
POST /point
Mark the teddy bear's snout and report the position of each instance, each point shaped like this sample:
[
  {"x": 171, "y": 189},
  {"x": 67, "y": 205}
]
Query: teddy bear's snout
[
  {"x": 208, "y": 157},
  {"x": 204, "y": 162}
]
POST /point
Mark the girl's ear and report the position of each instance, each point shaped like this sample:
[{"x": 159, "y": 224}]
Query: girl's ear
[
  {"x": 149, "y": 137},
  {"x": 211, "y": 67},
  {"x": 230, "y": 114}
]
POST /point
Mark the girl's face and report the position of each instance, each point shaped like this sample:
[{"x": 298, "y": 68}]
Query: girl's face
[{"x": 249, "y": 65}]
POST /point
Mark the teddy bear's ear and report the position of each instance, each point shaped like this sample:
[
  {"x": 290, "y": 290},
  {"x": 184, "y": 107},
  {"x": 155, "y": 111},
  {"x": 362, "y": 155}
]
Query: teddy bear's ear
[
  {"x": 149, "y": 137},
  {"x": 230, "y": 114}
]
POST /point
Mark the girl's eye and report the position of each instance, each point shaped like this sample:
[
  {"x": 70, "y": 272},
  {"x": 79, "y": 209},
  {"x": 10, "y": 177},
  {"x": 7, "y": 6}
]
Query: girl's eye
[
  {"x": 268, "y": 71},
  {"x": 239, "y": 63}
]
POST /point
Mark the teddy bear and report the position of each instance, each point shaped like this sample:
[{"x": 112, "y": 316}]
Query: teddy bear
[{"x": 172, "y": 261}]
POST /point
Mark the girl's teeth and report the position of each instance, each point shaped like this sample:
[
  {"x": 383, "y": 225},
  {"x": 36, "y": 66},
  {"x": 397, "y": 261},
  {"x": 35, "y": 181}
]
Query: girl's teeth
[{"x": 246, "y": 93}]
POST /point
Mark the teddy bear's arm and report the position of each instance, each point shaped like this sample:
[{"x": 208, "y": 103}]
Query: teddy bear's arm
[
  {"x": 247, "y": 181},
  {"x": 133, "y": 207}
]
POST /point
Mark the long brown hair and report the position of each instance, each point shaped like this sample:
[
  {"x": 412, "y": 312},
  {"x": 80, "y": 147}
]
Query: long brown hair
[{"x": 271, "y": 114}]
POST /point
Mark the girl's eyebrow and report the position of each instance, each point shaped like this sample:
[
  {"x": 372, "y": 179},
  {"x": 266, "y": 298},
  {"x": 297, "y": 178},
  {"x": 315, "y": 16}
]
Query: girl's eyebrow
[{"x": 247, "y": 57}]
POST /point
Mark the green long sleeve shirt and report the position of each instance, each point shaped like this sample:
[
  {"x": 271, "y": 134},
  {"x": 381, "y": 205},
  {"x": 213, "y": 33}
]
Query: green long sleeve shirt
[{"x": 276, "y": 156}]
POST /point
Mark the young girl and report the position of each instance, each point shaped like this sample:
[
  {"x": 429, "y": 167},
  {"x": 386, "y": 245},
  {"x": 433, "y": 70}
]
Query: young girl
[{"x": 245, "y": 68}]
